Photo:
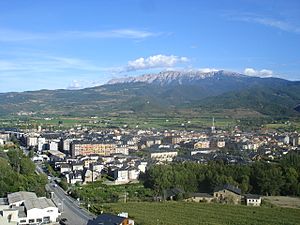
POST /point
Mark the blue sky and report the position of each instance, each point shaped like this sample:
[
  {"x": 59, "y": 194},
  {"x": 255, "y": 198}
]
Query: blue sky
[{"x": 53, "y": 44}]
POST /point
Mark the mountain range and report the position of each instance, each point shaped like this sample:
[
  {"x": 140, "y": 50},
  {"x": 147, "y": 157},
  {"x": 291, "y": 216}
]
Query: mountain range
[{"x": 164, "y": 92}]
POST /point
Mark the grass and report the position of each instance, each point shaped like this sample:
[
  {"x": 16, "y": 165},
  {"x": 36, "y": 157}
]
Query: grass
[
  {"x": 181, "y": 213},
  {"x": 284, "y": 201},
  {"x": 295, "y": 125},
  {"x": 129, "y": 121}
]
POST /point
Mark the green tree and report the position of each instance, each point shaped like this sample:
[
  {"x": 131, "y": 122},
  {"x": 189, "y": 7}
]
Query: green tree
[{"x": 27, "y": 166}]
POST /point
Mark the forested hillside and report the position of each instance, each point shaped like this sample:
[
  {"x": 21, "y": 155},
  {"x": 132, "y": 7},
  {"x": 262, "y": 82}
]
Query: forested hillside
[{"x": 17, "y": 173}]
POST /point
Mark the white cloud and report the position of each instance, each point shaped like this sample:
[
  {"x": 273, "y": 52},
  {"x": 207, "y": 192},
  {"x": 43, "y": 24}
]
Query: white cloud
[
  {"x": 266, "y": 73},
  {"x": 118, "y": 33},
  {"x": 155, "y": 61},
  {"x": 40, "y": 63},
  {"x": 74, "y": 85},
  {"x": 250, "y": 72},
  {"x": 260, "y": 73},
  {"x": 207, "y": 70},
  {"x": 8, "y": 35},
  {"x": 281, "y": 24}
]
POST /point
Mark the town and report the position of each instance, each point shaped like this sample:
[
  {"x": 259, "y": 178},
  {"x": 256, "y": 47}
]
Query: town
[{"x": 80, "y": 156}]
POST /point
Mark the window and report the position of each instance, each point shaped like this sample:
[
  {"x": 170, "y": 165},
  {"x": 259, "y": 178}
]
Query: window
[
  {"x": 22, "y": 221},
  {"x": 31, "y": 221},
  {"x": 47, "y": 219},
  {"x": 39, "y": 220}
]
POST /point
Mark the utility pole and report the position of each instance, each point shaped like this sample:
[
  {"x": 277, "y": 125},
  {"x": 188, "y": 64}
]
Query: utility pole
[{"x": 62, "y": 205}]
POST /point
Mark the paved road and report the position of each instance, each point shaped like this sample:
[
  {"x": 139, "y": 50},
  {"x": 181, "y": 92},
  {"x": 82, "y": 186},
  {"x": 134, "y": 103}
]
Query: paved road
[{"x": 68, "y": 206}]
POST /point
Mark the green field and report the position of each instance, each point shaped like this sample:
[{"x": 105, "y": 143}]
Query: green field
[
  {"x": 133, "y": 121},
  {"x": 182, "y": 213},
  {"x": 293, "y": 125},
  {"x": 129, "y": 121}
]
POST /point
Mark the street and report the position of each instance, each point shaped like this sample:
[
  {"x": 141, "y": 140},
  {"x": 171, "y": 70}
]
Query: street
[{"x": 68, "y": 206}]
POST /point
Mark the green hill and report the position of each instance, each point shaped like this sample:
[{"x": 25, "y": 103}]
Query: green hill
[{"x": 170, "y": 93}]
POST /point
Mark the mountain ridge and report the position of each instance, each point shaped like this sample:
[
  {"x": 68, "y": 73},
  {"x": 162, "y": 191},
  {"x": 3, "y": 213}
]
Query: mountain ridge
[
  {"x": 166, "y": 92},
  {"x": 167, "y": 77}
]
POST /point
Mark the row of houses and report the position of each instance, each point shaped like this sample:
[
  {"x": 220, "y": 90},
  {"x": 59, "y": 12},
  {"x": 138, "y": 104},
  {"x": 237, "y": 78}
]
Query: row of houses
[
  {"x": 83, "y": 169},
  {"x": 227, "y": 194}
]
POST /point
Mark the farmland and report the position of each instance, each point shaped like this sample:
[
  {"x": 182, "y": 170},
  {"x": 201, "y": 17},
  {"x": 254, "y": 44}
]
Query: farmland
[
  {"x": 131, "y": 122},
  {"x": 178, "y": 213}
]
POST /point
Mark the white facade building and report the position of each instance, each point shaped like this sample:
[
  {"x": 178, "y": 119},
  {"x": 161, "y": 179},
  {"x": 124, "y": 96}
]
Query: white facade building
[
  {"x": 252, "y": 200},
  {"x": 41, "y": 143},
  {"x": 164, "y": 156},
  {"x": 53, "y": 145},
  {"x": 32, "y": 141},
  {"x": 26, "y": 208},
  {"x": 39, "y": 210}
]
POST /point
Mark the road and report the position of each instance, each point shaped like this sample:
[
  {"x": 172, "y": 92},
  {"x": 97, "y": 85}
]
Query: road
[{"x": 68, "y": 206}]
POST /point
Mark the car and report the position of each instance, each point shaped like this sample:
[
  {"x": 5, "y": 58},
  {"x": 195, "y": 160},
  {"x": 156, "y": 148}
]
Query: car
[{"x": 63, "y": 221}]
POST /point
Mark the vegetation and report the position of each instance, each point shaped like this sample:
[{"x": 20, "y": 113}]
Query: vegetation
[
  {"x": 179, "y": 213},
  {"x": 268, "y": 96},
  {"x": 18, "y": 174},
  {"x": 184, "y": 121},
  {"x": 281, "y": 178},
  {"x": 98, "y": 192}
]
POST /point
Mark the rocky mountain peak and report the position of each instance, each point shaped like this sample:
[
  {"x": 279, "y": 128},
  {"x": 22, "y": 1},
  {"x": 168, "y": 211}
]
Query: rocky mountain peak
[{"x": 178, "y": 77}]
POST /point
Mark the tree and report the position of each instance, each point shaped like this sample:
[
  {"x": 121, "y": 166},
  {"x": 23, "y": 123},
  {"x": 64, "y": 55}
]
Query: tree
[
  {"x": 27, "y": 166},
  {"x": 291, "y": 182}
]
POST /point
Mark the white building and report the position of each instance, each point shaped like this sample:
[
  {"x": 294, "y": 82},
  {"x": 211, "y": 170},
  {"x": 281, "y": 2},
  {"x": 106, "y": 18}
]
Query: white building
[
  {"x": 26, "y": 208},
  {"x": 221, "y": 143},
  {"x": 4, "y": 136},
  {"x": 41, "y": 143},
  {"x": 133, "y": 173},
  {"x": 203, "y": 143},
  {"x": 53, "y": 145},
  {"x": 122, "y": 150},
  {"x": 32, "y": 141},
  {"x": 119, "y": 175},
  {"x": 252, "y": 200},
  {"x": 39, "y": 210},
  {"x": 122, "y": 176},
  {"x": 142, "y": 166},
  {"x": 66, "y": 144},
  {"x": 164, "y": 156},
  {"x": 18, "y": 198}
]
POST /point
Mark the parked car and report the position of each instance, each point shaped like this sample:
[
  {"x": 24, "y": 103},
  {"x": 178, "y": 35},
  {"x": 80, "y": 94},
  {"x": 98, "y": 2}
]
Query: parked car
[{"x": 63, "y": 221}]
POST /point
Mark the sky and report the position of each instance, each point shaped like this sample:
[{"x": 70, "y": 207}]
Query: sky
[{"x": 54, "y": 44}]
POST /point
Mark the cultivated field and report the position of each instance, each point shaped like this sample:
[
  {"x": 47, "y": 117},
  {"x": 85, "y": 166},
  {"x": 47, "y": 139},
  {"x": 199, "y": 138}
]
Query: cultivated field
[
  {"x": 181, "y": 213},
  {"x": 284, "y": 201}
]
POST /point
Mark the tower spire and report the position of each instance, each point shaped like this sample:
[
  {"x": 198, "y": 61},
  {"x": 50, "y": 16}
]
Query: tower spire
[{"x": 213, "y": 129}]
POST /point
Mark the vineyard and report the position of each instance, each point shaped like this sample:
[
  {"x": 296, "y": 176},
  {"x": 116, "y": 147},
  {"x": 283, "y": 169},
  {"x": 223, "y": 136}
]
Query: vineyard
[{"x": 181, "y": 213}]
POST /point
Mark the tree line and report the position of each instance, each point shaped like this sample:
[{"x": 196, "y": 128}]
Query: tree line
[{"x": 276, "y": 178}]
